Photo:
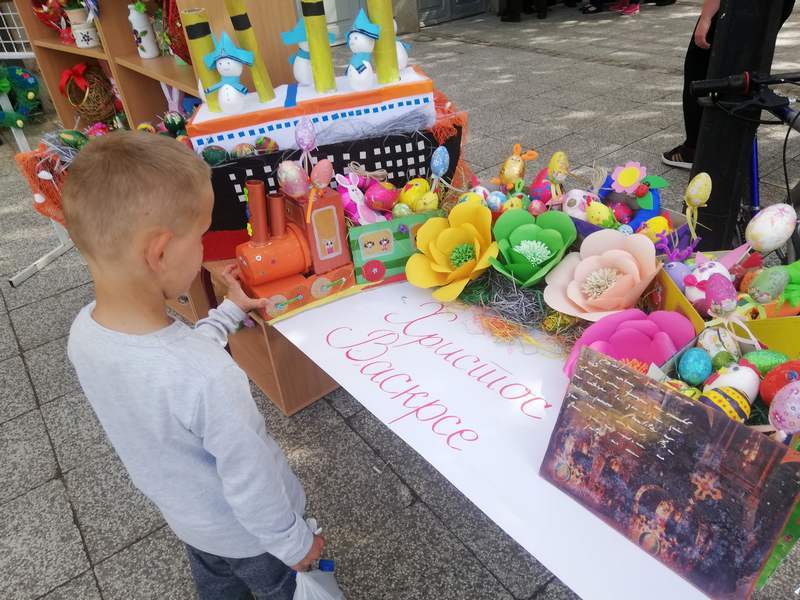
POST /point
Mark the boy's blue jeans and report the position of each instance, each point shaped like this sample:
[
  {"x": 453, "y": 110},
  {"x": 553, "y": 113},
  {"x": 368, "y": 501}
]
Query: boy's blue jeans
[{"x": 262, "y": 577}]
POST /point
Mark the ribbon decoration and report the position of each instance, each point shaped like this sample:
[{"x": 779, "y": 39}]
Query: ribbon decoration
[
  {"x": 76, "y": 73},
  {"x": 728, "y": 322},
  {"x": 361, "y": 171}
]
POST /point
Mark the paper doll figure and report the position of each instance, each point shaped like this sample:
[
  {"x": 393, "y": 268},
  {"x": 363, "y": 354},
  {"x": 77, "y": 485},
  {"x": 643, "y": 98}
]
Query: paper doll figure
[
  {"x": 229, "y": 62},
  {"x": 301, "y": 60},
  {"x": 361, "y": 41}
]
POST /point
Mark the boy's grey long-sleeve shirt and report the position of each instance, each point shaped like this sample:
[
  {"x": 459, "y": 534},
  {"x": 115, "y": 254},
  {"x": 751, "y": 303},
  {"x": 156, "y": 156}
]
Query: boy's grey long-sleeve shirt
[{"x": 180, "y": 415}]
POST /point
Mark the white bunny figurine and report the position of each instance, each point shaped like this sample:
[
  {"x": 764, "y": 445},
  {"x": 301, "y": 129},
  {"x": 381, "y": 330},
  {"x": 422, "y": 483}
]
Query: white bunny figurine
[{"x": 353, "y": 200}]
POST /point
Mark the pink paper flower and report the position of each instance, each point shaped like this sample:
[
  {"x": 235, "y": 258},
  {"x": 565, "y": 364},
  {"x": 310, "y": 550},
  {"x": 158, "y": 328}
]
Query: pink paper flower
[
  {"x": 608, "y": 275},
  {"x": 635, "y": 338},
  {"x": 626, "y": 179}
]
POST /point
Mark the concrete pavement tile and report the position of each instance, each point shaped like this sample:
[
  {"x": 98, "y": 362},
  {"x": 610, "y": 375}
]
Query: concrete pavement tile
[
  {"x": 534, "y": 135},
  {"x": 414, "y": 557},
  {"x": 661, "y": 141},
  {"x": 68, "y": 272},
  {"x": 783, "y": 582},
  {"x": 41, "y": 545},
  {"x": 75, "y": 431},
  {"x": 776, "y": 175},
  {"x": 28, "y": 459},
  {"x": 518, "y": 571},
  {"x": 153, "y": 568},
  {"x": 8, "y": 342},
  {"x": 51, "y": 372},
  {"x": 111, "y": 512},
  {"x": 17, "y": 391},
  {"x": 344, "y": 403},
  {"x": 483, "y": 151},
  {"x": 581, "y": 150},
  {"x": 488, "y": 120},
  {"x": 649, "y": 159},
  {"x": 80, "y": 588},
  {"x": 50, "y": 318},
  {"x": 555, "y": 590},
  {"x": 301, "y": 428}
]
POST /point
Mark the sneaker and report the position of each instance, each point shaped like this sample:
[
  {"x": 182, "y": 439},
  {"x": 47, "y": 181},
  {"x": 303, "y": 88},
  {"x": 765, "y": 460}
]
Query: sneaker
[
  {"x": 680, "y": 157},
  {"x": 618, "y": 6},
  {"x": 631, "y": 10}
]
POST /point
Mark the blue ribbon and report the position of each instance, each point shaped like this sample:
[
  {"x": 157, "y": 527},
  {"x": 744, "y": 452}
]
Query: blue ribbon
[{"x": 299, "y": 54}]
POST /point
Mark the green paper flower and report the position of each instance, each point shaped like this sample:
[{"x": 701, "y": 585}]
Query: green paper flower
[{"x": 531, "y": 246}]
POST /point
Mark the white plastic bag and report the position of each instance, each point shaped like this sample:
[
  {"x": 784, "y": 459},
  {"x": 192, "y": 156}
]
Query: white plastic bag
[{"x": 317, "y": 585}]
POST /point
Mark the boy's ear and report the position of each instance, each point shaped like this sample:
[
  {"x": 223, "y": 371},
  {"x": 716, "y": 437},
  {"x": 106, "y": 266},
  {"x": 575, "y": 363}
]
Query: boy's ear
[{"x": 155, "y": 248}]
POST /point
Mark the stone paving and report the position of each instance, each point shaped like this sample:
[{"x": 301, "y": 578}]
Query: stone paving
[{"x": 72, "y": 527}]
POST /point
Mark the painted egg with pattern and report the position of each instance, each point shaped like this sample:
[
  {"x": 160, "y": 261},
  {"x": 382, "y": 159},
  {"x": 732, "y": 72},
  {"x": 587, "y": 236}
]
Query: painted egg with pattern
[{"x": 771, "y": 228}]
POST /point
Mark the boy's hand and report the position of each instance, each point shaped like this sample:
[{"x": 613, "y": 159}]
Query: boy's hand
[
  {"x": 701, "y": 33},
  {"x": 317, "y": 547},
  {"x": 236, "y": 293}
]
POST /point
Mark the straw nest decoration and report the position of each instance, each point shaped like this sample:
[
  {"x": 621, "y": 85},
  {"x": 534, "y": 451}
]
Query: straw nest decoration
[{"x": 96, "y": 102}]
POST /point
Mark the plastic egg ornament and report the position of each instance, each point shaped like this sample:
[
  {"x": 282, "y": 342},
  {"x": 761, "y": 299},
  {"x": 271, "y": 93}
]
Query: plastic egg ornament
[
  {"x": 771, "y": 228},
  {"x": 537, "y": 207},
  {"x": 598, "y": 214},
  {"x": 718, "y": 339},
  {"x": 322, "y": 174},
  {"x": 741, "y": 376},
  {"x": 98, "y": 129},
  {"x": 768, "y": 284},
  {"x": 766, "y": 360},
  {"x": 73, "y": 138},
  {"x": 728, "y": 400},
  {"x": 512, "y": 203},
  {"x": 495, "y": 201},
  {"x": 266, "y": 145},
  {"x": 215, "y": 155},
  {"x": 652, "y": 227},
  {"x": 722, "y": 359},
  {"x": 174, "y": 122},
  {"x": 428, "y": 202},
  {"x": 292, "y": 179},
  {"x": 401, "y": 209},
  {"x": 784, "y": 410},
  {"x": 243, "y": 150},
  {"x": 622, "y": 212},
  {"x": 694, "y": 366},
  {"x": 777, "y": 378},
  {"x": 678, "y": 272},
  {"x": 625, "y": 229},
  {"x": 381, "y": 195},
  {"x": 481, "y": 191},
  {"x": 440, "y": 161}
]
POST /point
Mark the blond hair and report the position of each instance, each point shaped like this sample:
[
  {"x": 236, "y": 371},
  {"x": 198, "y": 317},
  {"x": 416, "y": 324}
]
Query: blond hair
[{"x": 126, "y": 181}]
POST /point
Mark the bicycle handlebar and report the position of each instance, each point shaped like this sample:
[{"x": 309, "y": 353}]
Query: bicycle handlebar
[{"x": 740, "y": 83}]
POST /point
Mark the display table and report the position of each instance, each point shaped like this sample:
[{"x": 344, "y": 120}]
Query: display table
[{"x": 287, "y": 376}]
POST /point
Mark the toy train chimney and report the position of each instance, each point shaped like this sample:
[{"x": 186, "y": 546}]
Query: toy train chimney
[
  {"x": 277, "y": 216},
  {"x": 257, "y": 200}
]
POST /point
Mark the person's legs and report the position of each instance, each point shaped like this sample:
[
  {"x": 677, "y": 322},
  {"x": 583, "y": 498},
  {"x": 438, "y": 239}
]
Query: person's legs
[
  {"x": 513, "y": 12},
  {"x": 214, "y": 578},
  {"x": 267, "y": 577}
]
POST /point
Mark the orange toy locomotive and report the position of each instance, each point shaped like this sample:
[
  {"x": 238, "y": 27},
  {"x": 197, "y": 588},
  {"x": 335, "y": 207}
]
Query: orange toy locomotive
[{"x": 297, "y": 262}]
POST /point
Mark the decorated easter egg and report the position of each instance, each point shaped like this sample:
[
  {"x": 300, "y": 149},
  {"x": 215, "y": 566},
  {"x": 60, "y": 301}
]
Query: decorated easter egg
[
  {"x": 428, "y": 202},
  {"x": 381, "y": 195},
  {"x": 481, "y": 191},
  {"x": 622, "y": 212},
  {"x": 678, "y": 272},
  {"x": 146, "y": 128},
  {"x": 215, "y": 155},
  {"x": 471, "y": 197},
  {"x": 743, "y": 376},
  {"x": 625, "y": 229},
  {"x": 243, "y": 150},
  {"x": 537, "y": 207},
  {"x": 652, "y": 227},
  {"x": 747, "y": 279},
  {"x": 784, "y": 410},
  {"x": 694, "y": 366},
  {"x": 777, "y": 378},
  {"x": 718, "y": 339},
  {"x": 768, "y": 284},
  {"x": 722, "y": 359},
  {"x": 721, "y": 295},
  {"x": 495, "y": 201},
  {"x": 401, "y": 209},
  {"x": 322, "y": 174},
  {"x": 73, "y": 138},
  {"x": 766, "y": 360},
  {"x": 599, "y": 214},
  {"x": 413, "y": 191},
  {"x": 512, "y": 203},
  {"x": 575, "y": 202},
  {"x": 293, "y": 179},
  {"x": 174, "y": 122},
  {"x": 98, "y": 129},
  {"x": 728, "y": 400},
  {"x": 702, "y": 272},
  {"x": 771, "y": 228},
  {"x": 440, "y": 161},
  {"x": 266, "y": 145},
  {"x": 186, "y": 141},
  {"x": 683, "y": 388}
]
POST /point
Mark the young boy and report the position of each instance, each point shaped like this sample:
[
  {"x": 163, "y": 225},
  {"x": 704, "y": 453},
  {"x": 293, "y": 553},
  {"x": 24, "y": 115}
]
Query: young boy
[{"x": 174, "y": 404}]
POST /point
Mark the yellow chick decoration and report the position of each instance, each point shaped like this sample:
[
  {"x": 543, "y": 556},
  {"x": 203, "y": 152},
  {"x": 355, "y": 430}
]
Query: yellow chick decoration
[
  {"x": 652, "y": 227},
  {"x": 513, "y": 169},
  {"x": 696, "y": 197},
  {"x": 413, "y": 192},
  {"x": 428, "y": 202}
]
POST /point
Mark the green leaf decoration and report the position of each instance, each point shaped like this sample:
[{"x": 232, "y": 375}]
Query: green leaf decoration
[
  {"x": 655, "y": 182},
  {"x": 646, "y": 201}
]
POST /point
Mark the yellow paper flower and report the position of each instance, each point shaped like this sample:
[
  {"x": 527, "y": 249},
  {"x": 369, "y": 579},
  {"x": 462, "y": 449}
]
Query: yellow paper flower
[{"x": 455, "y": 250}]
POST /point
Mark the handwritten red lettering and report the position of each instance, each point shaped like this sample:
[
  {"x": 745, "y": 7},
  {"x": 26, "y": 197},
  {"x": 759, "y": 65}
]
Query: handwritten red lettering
[{"x": 461, "y": 433}]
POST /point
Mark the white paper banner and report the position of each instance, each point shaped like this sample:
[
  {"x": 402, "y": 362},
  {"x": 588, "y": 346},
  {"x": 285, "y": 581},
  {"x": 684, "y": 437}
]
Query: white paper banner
[{"x": 481, "y": 412}]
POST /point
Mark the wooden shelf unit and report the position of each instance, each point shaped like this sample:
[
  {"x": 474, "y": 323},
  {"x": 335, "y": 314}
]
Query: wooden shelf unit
[{"x": 139, "y": 80}]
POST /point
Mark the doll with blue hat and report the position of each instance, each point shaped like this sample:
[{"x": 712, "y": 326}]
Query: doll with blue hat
[
  {"x": 229, "y": 62},
  {"x": 301, "y": 60},
  {"x": 361, "y": 41}
]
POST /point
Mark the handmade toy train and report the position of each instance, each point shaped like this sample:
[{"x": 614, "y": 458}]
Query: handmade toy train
[{"x": 296, "y": 255}]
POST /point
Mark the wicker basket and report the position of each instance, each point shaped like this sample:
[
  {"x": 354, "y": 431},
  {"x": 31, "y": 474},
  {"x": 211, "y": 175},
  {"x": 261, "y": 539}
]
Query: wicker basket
[{"x": 96, "y": 102}]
